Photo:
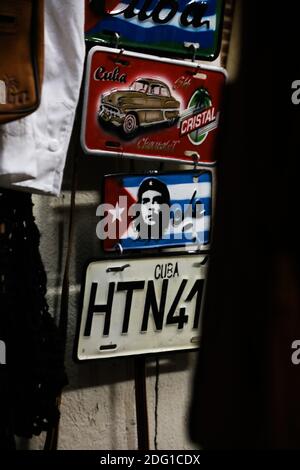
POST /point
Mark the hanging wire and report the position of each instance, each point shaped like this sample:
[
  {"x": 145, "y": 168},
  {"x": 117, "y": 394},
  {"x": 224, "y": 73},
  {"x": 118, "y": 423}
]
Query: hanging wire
[{"x": 156, "y": 401}]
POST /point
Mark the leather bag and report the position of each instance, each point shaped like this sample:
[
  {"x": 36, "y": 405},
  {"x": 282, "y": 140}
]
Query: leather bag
[{"x": 21, "y": 57}]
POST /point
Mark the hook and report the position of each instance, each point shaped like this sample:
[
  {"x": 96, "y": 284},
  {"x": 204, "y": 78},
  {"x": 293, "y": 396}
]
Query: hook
[
  {"x": 117, "y": 59},
  {"x": 119, "y": 248},
  {"x": 193, "y": 46},
  {"x": 203, "y": 263},
  {"x": 117, "y": 268},
  {"x": 117, "y": 39},
  {"x": 194, "y": 52},
  {"x": 196, "y": 158}
]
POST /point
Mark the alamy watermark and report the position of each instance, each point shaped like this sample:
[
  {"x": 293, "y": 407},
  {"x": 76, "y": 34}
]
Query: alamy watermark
[
  {"x": 150, "y": 219},
  {"x": 2, "y": 353},
  {"x": 295, "y": 358},
  {"x": 295, "y": 97}
]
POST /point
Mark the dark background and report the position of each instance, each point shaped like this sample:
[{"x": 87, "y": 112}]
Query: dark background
[{"x": 247, "y": 390}]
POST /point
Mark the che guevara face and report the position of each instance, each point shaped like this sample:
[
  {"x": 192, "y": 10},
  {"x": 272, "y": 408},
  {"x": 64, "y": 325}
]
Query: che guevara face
[{"x": 151, "y": 202}]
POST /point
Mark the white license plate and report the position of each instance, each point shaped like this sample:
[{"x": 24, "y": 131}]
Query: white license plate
[{"x": 137, "y": 306}]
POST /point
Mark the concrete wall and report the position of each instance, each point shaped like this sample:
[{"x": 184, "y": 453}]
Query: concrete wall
[{"x": 98, "y": 406}]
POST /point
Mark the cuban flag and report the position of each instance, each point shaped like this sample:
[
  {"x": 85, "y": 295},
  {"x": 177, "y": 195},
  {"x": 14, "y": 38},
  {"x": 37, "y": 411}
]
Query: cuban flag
[{"x": 156, "y": 211}]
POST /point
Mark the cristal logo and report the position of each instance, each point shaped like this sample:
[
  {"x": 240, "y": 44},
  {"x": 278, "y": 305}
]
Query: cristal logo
[
  {"x": 162, "y": 12},
  {"x": 198, "y": 121},
  {"x": 200, "y": 117}
]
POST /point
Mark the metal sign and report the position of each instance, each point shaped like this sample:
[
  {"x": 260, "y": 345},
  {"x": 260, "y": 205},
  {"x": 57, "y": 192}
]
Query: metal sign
[
  {"x": 142, "y": 106},
  {"x": 140, "y": 306},
  {"x": 163, "y": 27},
  {"x": 156, "y": 211}
]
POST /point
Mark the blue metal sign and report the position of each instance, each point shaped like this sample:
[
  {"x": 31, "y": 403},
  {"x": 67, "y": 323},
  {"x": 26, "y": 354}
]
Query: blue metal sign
[
  {"x": 157, "y": 211},
  {"x": 165, "y": 27}
]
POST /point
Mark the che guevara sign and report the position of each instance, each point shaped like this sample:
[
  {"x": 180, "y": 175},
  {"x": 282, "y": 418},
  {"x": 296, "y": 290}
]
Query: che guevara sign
[
  {"x": 163, "y": 27},
  {"x": 160, "y": 210},
  {"x": 141, "y": 106}
]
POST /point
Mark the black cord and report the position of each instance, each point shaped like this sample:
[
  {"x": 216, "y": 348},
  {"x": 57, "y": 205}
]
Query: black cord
[{"x": 156, "y": 401}]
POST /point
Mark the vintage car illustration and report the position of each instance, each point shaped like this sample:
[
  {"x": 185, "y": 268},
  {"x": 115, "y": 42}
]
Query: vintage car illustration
[{"x": 145, "y": 103}]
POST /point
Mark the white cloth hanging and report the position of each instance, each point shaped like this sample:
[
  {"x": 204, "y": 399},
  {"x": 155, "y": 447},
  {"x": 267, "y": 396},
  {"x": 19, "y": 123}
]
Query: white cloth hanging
[{"x": 33, "y": 149}]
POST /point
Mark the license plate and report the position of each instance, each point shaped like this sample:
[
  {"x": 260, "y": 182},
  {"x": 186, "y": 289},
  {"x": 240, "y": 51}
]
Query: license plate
[
  {"x": 159, "y": 26},
  {"x": 141, "y": 106},
  {"x": 157, "y": 210},
  {"x": 139, "y": 306}
]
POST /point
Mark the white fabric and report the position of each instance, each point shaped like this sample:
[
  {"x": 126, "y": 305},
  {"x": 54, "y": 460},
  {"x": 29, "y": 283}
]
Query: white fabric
[{"x": 33, "y": 150}]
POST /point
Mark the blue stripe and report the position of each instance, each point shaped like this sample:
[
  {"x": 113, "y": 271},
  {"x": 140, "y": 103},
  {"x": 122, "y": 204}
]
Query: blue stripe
[
  {"x": 202, "y": 200},
  {"x": 154, "y": 35},
  {"x": 128, "y": 243}
]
